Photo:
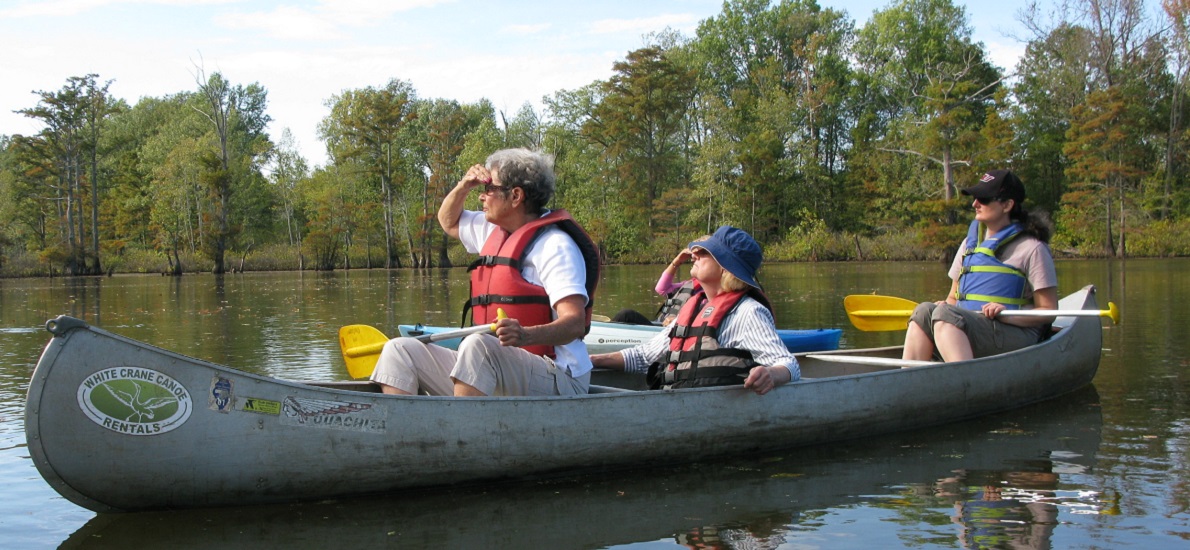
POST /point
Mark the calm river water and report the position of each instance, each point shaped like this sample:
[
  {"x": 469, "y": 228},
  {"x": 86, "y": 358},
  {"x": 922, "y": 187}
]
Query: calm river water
[{"x": 1107, "y": 467}]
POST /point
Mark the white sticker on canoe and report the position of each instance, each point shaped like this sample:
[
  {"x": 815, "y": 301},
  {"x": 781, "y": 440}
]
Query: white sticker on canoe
[
  {"x": 336, "y": 415},
  {"x": 135, "y": 401},
  {"x": 628, "y": 341}
]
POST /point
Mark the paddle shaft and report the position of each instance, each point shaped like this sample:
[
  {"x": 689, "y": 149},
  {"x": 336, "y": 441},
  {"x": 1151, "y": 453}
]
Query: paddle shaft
[
  {"x": 1005, "y": 313},
  {"x": 374, "y": 348}
]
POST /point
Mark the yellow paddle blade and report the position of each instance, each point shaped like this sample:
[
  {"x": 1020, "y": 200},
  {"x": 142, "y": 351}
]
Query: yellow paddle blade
[
  {"x": 872, "y": 313},
  {"x": 361, "y": 345}
]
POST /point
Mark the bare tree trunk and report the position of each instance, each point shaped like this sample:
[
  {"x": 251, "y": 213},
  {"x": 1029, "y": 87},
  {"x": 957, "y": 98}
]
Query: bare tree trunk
[
  {"x": 97, "y": 268},
  {"x": 1121, "y": 251},
  {"x": 443, "y": 255},
  {"x": 1109, "y": 241},
  {"x": 947, "y": 175},
  {"x": 1175, "y": 132}
]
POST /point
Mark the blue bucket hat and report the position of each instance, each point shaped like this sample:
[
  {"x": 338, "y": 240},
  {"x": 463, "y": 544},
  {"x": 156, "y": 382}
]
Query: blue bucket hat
[{"x": 736, "y": 251}]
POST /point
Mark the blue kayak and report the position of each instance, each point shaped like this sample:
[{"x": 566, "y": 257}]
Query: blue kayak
[{"x": 607, "y": 337}]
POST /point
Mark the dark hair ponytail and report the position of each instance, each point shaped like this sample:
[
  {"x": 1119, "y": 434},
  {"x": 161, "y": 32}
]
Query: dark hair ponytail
[{"x": 1035, "y": 223}]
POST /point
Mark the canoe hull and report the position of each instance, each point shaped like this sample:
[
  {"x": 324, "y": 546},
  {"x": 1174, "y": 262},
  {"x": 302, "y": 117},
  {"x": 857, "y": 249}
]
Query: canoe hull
[
  {"x": 115, "y": 425},
  {"x": 608, "y": 337}
]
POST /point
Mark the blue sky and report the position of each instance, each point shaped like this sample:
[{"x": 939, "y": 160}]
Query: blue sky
[{"x": 305, "y": 51}]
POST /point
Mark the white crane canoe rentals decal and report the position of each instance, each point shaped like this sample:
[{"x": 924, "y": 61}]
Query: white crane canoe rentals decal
[{"x": 135, "y": 401}]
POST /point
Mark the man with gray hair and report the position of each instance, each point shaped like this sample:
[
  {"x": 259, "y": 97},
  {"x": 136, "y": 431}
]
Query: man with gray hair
[{"x": 536, "y": 266}]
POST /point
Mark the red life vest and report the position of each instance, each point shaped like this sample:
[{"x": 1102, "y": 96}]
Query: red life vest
[
  {"x": 497, "y": 281},
  {"x": 695, "y": 358}
]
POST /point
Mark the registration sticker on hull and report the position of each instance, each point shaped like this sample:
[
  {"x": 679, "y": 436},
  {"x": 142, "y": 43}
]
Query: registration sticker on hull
[
  {"x": 261, "y": 406},
  {"x": 335, "y": 415},
  {"x": 135, "y": 401}
]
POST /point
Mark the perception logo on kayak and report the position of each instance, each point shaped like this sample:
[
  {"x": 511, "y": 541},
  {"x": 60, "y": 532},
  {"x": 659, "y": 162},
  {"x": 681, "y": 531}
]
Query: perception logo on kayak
[{"x": 135, "y": 401}]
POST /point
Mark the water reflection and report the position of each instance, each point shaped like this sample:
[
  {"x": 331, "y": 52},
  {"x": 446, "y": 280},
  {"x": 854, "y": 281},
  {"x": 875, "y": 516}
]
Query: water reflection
[{"x": 1001, "y": 481}]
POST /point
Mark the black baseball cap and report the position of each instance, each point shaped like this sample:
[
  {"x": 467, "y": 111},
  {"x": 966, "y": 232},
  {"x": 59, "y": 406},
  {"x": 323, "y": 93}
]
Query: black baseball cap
[{"x": 998, "y": 184}]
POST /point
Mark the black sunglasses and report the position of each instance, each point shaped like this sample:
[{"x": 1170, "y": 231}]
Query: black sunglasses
[
  {"x": 986, "y": 201},
  {"x": 489, "y": 188}
]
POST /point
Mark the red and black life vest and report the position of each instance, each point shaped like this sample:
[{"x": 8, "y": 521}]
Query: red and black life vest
[
  {"x": 497, "y": 281},
  {"x": 695, "y": 358}
]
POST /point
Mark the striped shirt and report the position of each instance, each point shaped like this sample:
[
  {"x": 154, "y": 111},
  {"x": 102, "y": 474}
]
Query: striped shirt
[{"x": 749, "y": 327}]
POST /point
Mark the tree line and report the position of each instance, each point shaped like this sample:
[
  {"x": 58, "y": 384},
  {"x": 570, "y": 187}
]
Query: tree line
[{"x": 825, "y": 140}]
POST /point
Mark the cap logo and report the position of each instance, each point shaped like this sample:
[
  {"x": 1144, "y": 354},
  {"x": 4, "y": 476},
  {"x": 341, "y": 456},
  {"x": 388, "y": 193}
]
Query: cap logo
[{"x": 987, "y": 177}]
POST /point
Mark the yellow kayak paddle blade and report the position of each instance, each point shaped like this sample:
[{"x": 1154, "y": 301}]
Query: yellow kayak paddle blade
[
  {"x": 361, "y": 345},
  {"x": 874, "y": 313}
]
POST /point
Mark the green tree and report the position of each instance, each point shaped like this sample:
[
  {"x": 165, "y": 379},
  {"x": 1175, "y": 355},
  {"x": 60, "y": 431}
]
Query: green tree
[
  {"x": 772, "y": 107},
  {"x": 364, "y": 125},
  {"x": 1108, "y": 158},
  {"x": 577, "y": 161},
  {"x": 1053, "y": 79},
  {"x": 445, "y": 133},
  {"x": 525, "y": 129},
  {"x": 237, "y": 119},
  {"x": 1175, "y": 168},
  {"x": 639, "y": 124},
  {"x": 933, "y": 82},
  {"x": 68, "y": 148},
  {"x": 288, "y": 171},
  {"x": 334, "y": 213}
]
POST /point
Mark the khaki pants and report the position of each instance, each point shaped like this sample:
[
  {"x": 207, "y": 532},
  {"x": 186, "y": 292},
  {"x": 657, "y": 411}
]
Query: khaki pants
[{"x": 480, "y": 362}]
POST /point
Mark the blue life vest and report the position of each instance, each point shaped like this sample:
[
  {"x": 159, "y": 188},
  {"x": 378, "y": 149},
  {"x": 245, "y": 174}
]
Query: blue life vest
[{"x": 985, "y": 278}]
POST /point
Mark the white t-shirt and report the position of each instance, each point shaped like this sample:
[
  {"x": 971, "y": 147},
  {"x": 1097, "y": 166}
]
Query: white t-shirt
[{"x": 554, "y": 262}]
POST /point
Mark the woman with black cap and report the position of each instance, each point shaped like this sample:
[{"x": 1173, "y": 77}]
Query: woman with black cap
[
  {"x": 724, "y": 334},
  {"x": 1004, "y": 263}
]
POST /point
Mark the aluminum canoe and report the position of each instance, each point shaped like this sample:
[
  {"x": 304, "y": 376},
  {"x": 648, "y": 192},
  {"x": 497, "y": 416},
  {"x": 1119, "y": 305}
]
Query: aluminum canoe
[{"x": 114, "y": 424}]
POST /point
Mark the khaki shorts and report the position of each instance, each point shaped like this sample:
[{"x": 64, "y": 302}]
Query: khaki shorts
[{"x": 987, "y": 336}]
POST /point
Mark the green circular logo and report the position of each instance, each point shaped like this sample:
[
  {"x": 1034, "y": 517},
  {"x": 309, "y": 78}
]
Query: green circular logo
[{"x": 135, "y": 401}]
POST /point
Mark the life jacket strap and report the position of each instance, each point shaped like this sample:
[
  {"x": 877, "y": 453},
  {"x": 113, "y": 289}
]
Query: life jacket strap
[
  {"x": 673, "y": 358},
  {"x": 489, "y": 261},
  {"x": 986, "y": 298},
  {"x": 992, "y": 269},
  {"x": 683, "y": 331}
]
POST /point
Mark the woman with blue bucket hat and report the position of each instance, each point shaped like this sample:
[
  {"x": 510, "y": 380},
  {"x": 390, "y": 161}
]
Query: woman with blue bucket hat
[{"x": 724, "y": 334}]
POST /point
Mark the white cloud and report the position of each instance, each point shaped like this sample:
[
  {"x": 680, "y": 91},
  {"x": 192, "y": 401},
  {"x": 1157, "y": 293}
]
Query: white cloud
[
  {"x": 644, "y": 25},
  {"x": 523, "y": 30},
  {"x": 362, "y": 13},
  {"x": 67, "y": 8},
  {"x": 283, "y": 23},
  {"x": 1005, "y": 53},
  {"x": 299, "y": 85}
]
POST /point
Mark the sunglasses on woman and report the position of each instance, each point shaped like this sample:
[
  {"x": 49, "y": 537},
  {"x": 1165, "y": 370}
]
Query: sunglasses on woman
[{"x": 491, "y": 188}]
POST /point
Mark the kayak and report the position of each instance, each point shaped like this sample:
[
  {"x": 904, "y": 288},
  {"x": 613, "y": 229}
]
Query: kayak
[
  {"x": 114, "y": 424},
  {"x": 606, "y": 337}
]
